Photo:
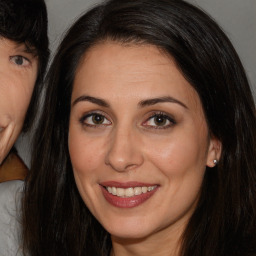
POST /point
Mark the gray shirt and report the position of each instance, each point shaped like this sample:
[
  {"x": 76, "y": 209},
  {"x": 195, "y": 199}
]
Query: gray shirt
[{"x": 10, "y": 201}]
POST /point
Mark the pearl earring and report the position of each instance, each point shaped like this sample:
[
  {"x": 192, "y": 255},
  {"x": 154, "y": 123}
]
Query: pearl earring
[{"x": 215, "y": 161}]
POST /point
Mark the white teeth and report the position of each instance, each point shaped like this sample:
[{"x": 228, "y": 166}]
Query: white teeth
[
  {"x": 120, "y": 191},
  {"x": 129, "y": 192},
  {"x": 144, "y": 190},
  {"x": 114, "y": 191},
  {"x": 151, "y": 188},
  {"x": 137, "y": 191}
]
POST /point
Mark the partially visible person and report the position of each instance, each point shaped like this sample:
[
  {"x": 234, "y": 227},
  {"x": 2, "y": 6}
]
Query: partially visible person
[
  {"x": 146, "y": 143},
  {"x": 23, "y": 59}
]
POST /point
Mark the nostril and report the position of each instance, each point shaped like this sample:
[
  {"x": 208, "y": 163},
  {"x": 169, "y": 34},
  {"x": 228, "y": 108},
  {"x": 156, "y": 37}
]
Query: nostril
[{"x": 131, "y": 166}]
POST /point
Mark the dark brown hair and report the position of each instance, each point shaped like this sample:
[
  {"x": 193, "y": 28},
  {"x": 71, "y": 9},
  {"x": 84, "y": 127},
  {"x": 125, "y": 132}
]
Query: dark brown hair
[{"x": 55, "y": 219}]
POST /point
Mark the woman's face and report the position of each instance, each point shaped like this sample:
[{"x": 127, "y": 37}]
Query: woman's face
[
  {"x": 18, "y": 72},
  {"x": 138, "y": 140}
]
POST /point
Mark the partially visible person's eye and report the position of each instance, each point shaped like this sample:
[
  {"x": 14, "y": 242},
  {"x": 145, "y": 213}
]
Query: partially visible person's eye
[
  {"x": 159, "y": 121},
  {"x": 95, "y": 120},
  {"x": 19, "y": 60}
]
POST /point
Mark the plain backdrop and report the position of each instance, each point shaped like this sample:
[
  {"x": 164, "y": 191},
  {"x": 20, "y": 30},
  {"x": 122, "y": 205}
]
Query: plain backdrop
[{"x": 236, "y": 17}]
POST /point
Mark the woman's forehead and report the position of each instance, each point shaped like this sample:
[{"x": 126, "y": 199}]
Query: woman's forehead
[{"x": 112, "y": 71}]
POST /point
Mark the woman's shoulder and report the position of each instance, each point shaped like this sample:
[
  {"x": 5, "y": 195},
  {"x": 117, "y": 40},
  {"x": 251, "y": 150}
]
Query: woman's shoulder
[{"x": 10, "y": 214}]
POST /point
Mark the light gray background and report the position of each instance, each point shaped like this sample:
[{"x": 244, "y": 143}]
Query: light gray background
[{"x": 236, "y": 17}]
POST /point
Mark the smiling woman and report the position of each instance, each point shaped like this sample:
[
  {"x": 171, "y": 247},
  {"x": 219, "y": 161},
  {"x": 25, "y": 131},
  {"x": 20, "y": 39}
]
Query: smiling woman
[
  {"x": 120, "y": 160},
  {"x": 150, "y": 143}
]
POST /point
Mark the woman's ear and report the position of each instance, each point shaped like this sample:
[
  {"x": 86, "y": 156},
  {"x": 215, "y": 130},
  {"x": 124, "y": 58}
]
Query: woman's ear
[{"x": 214, "y": 152}]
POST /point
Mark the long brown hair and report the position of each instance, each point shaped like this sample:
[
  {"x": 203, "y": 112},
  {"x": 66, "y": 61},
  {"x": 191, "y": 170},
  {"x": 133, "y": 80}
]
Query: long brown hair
[{"x": 55, "y": 219}]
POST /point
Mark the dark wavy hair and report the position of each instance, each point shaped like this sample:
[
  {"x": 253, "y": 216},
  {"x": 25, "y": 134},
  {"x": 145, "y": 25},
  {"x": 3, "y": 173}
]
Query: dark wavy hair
[
  {"x": 55, "y": 219},
  {"x": 25, "y": 21}
]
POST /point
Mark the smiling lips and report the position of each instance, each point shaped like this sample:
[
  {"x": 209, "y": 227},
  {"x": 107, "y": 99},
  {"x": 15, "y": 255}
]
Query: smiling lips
[{"x": 127, "y": 195}]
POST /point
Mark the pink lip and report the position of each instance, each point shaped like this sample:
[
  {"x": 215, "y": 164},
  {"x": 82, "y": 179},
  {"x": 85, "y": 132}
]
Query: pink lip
[{"x": 126, "y": 202}]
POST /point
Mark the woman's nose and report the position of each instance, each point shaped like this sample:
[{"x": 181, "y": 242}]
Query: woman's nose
[{"x": 124, "y": 152}]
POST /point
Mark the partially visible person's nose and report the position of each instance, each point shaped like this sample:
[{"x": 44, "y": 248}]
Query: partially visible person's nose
[{"x": 124, "y": 151}]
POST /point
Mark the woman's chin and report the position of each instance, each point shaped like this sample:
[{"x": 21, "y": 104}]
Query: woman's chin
[{"x": 130, "y": 233}]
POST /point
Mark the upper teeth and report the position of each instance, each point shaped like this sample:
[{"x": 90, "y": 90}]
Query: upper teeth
[{"x": 128, "y": 192}]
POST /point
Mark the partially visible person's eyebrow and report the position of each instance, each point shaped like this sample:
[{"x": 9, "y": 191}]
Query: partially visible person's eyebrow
[
  {"x": 23, "y": 47},
  {"x": 94, "y": 100},
  {"x": 153, "y": 101}
]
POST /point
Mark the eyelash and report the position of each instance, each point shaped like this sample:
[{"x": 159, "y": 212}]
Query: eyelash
[
  {"x": 83, "y": 119},
  {"x": 162, "y": 115},
  {"x": 26, "y": 60}
]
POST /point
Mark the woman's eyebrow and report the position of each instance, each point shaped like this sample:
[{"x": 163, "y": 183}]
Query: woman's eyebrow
[
  {"x": 153, "y": 101},
  {"x": 94, "y": 100},
  {"x": 143, "y": 103}
]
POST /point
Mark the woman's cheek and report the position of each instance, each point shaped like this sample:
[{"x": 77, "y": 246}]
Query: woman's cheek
[{"x": 85, "y": 153}]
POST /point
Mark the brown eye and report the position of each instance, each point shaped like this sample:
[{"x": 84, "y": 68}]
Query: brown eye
[
  {"x": 97, "y": 119},
  {"x": 160, "y": 120},
  {"x": 94, "y": 120}
]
